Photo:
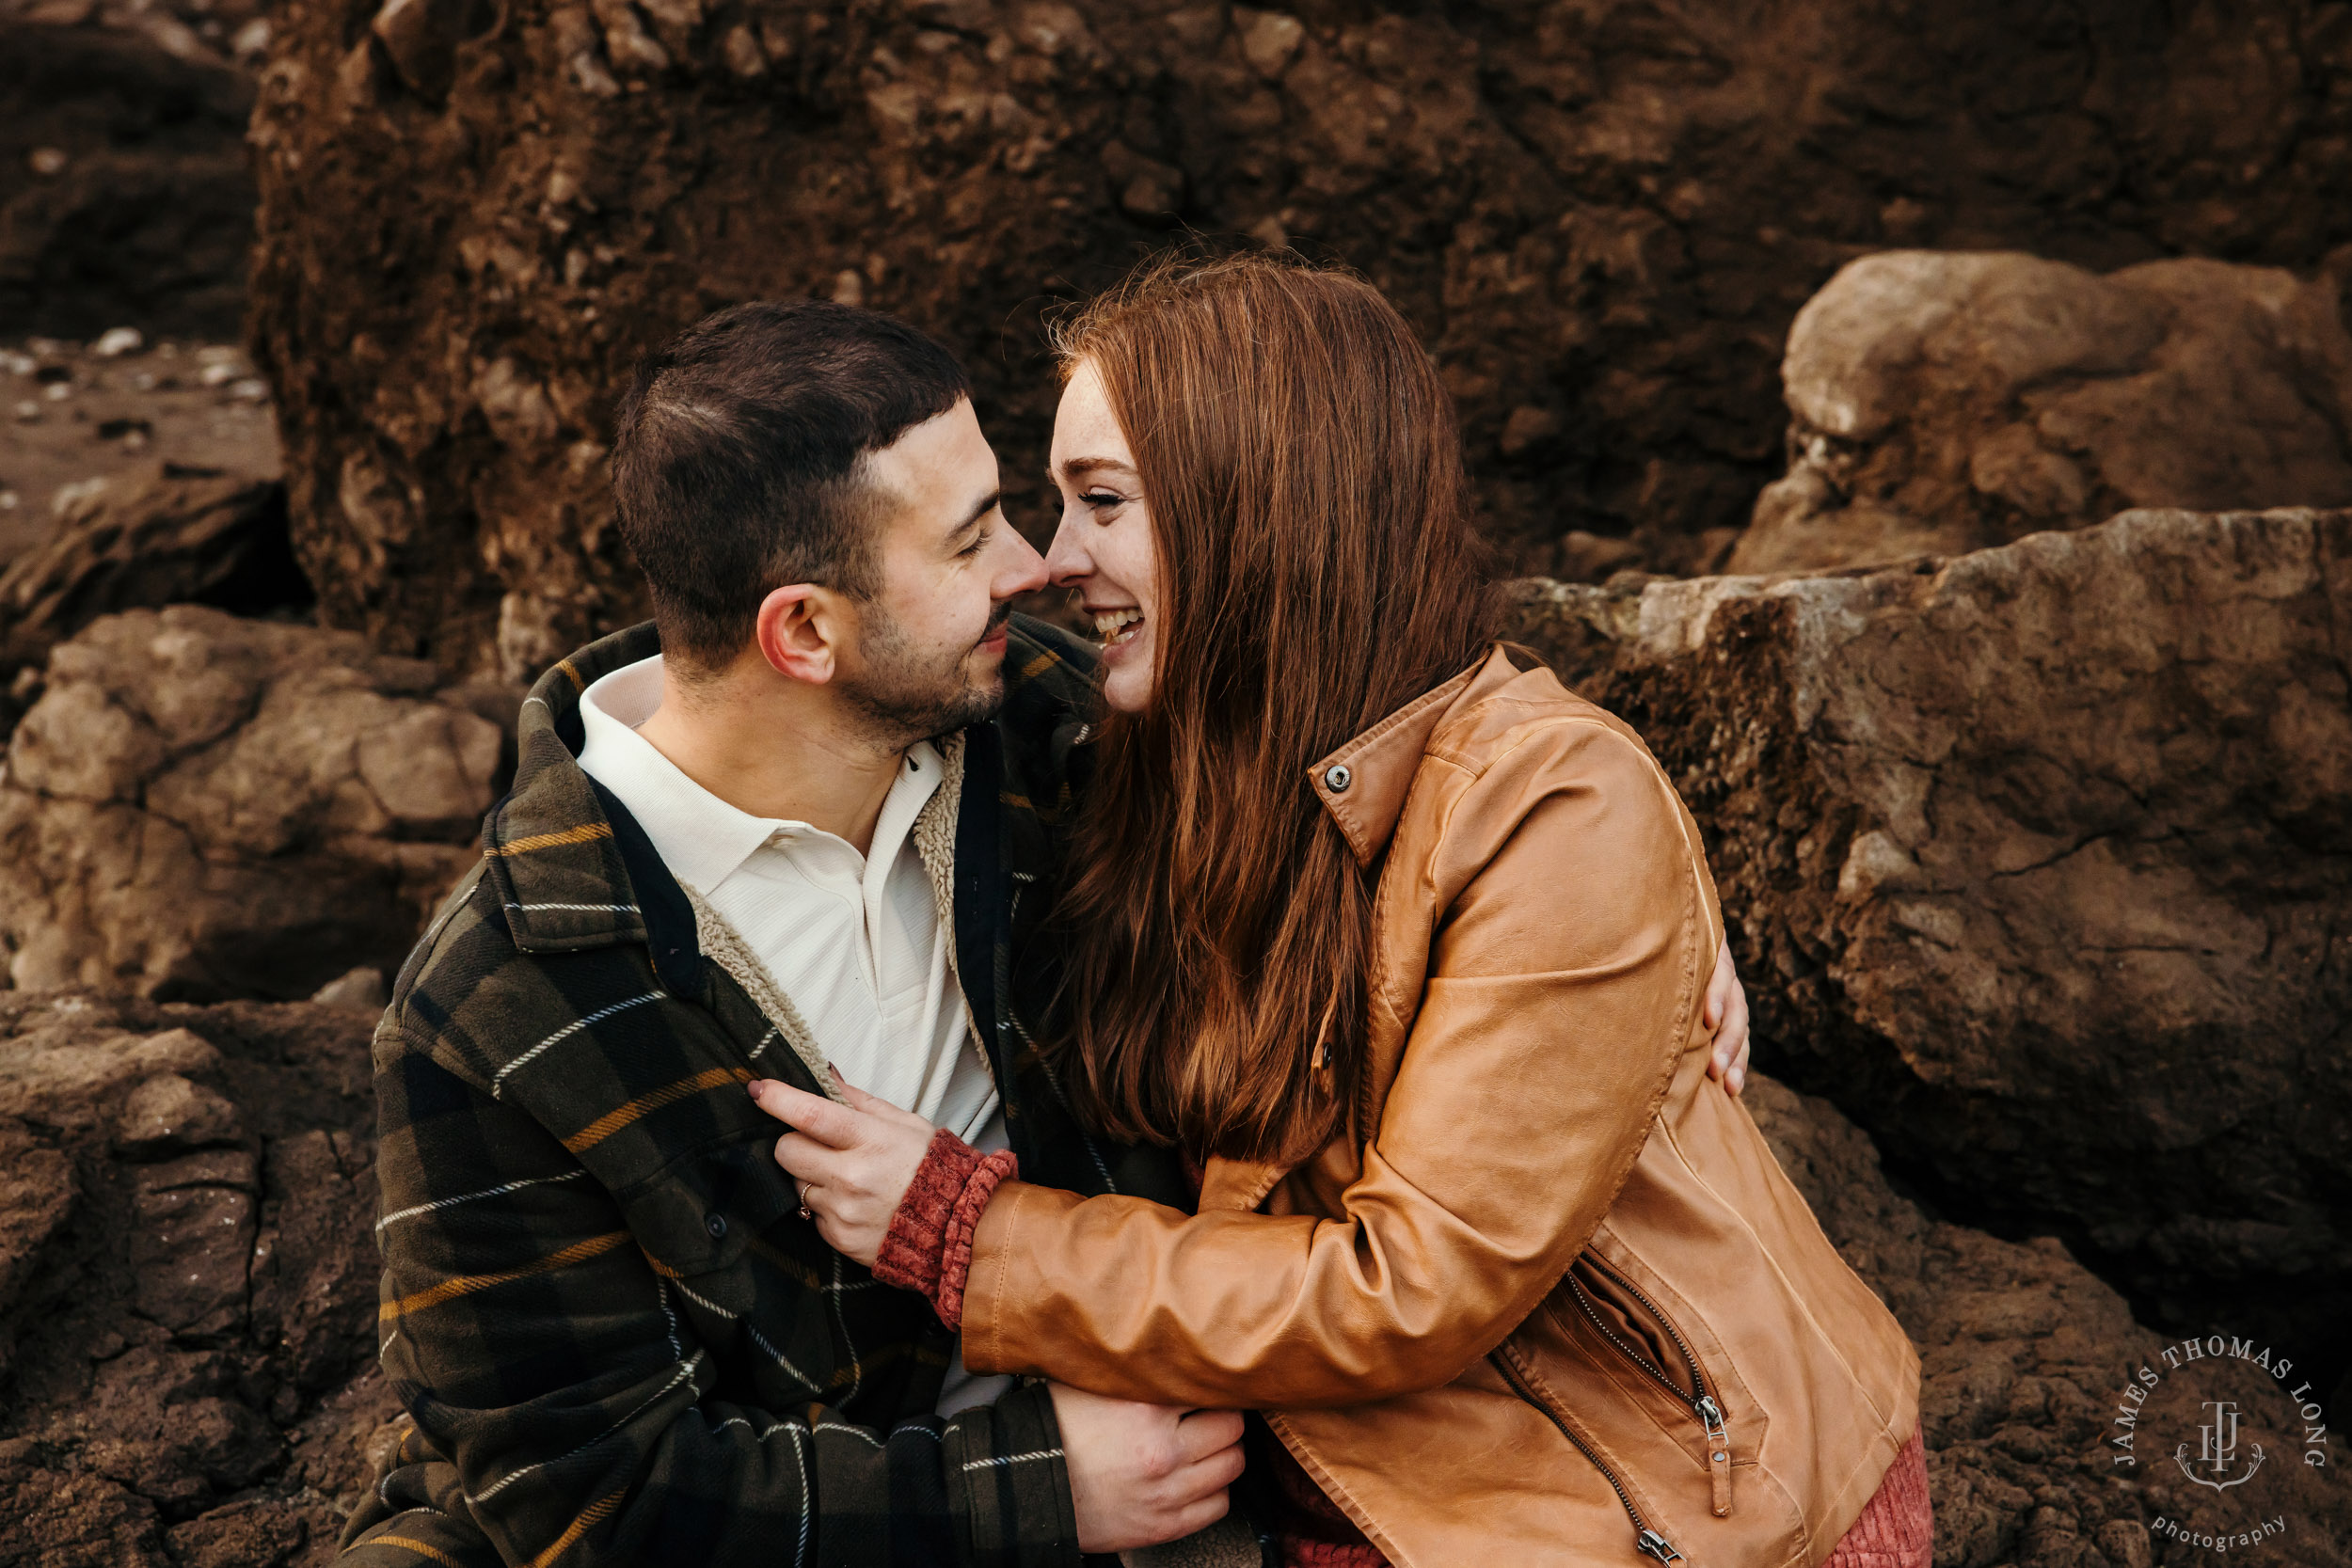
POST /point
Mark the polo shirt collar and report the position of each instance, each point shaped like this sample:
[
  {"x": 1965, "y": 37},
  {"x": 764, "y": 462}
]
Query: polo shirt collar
[{"x": 700, "y": 838}]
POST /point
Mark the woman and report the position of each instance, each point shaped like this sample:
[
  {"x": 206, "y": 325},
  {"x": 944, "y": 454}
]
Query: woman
[{"x": 1405, "y": 945}]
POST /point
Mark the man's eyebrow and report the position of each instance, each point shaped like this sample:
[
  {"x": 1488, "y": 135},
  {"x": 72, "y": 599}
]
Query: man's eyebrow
[
  {"x": 988, "y": 505},
  {"x": 1078, "y": 467}
]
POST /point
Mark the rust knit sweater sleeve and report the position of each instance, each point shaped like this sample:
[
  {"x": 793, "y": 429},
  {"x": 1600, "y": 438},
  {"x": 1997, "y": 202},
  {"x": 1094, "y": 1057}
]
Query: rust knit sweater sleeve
[{"x": 928, "y": 1248}]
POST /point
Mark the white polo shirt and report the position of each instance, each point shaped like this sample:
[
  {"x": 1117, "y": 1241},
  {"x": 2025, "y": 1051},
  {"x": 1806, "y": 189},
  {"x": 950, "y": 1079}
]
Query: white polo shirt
[{"x": 855, "y": 941}]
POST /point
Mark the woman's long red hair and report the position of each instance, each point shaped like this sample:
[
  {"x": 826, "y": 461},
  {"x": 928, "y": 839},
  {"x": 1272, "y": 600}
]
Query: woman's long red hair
[{"x": 1318, "y": 570}]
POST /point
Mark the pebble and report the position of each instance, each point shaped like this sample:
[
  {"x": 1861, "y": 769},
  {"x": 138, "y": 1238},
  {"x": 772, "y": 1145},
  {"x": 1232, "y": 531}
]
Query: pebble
[
  {"x": 18, "y": 364},
  {"x": 57, "y": 391},
  {"x": 118, "y": 341},
  {"x": 218, "y": 373},
  {"x": 28, "y": 412},
  {"x": 8, "y": 500},
  {"x": 70, "y": 496},
  {"x": 251, "y": 390},
  {"x": 47, "y": 161}
]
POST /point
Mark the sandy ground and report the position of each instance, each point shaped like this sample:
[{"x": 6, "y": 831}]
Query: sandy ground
[{"x": 72, "y": 412}]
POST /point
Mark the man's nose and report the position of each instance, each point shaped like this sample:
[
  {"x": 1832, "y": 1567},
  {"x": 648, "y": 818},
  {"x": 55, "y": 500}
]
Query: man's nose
[{"x": 1022, "y": 572}]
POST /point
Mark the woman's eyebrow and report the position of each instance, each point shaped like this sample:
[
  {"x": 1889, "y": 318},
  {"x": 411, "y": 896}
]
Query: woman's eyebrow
[{"x": 1079, "y": 467}]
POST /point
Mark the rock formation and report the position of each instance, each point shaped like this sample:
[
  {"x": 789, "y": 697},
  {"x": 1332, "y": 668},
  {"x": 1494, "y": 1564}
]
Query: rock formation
[
  {"x": 188, "y": 1281},
  {"x": 166, "y": 535},
  {"x": 2024, "y": 1356},
  {"x": 2038, "y": 862},
  {"x": 201, "y": 806},
  {"x": 1941, "y": 403},
  {"x": 1602, "y": 215}
]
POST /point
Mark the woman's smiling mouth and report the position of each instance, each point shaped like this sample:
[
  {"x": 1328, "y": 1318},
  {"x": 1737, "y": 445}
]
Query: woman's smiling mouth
[{"x": 1117, "y": 626}]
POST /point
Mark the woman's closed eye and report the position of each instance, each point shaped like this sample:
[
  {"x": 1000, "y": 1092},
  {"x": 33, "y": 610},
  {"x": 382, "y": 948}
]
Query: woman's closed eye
[{"x": 1100, "y": 500}]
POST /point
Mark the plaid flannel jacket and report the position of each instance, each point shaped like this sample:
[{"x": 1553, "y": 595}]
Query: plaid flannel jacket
[{"x": 615, "y": 1339}]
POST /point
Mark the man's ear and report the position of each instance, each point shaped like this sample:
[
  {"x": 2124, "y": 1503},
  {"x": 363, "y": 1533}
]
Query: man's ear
[{"x": 800, "y": 628}]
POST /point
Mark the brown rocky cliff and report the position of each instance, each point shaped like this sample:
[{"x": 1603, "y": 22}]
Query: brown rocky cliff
[{"x": 1603, "y": 216}]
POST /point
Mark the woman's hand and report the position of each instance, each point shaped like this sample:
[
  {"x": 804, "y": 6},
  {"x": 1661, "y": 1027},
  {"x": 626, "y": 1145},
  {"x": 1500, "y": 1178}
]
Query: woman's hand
[
  {"x": 852, "y": 1162},
  {"x": 1726, "y": 1013}
]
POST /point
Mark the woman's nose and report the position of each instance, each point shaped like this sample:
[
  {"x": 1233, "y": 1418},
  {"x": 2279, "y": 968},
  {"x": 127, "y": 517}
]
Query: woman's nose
[{"x": 1066, "y": 560}]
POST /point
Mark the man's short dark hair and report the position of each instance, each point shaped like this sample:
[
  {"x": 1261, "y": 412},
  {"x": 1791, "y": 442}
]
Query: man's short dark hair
[{"x": 736, "y": 460}]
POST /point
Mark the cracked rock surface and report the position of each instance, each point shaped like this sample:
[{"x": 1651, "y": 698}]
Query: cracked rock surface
[
  {"x": 2038, "y": 862},
  {"x": 188, "y": 1281},
  {"x": 199, "y": 806},
  {"x": 2025, "y": 1355}
]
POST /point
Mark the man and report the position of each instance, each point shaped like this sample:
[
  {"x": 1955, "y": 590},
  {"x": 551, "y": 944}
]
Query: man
[{"x": 793, "y": 823}]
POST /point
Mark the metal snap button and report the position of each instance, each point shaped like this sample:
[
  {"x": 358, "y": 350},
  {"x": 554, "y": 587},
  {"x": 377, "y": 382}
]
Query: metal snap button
[
  {"x": 717, "y": 1226},
  {"x": 1337, "y": 776}
]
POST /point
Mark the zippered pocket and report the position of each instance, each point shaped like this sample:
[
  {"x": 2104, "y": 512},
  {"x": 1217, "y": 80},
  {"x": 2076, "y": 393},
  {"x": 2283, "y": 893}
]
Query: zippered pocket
[
  {"x": 1640, "y": 1331},
  {"x": 1645, "y": 1541}
]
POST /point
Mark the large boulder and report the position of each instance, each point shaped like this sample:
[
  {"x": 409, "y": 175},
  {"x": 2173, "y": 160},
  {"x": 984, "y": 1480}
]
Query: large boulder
[
  {"x": 476, "y": 218},
  {"x": 201, "y": 806},
  {"x": 2026, "y": 1360},
  {"x": 1941, "y": 403},
  {"x": 188, "y": 1281},
  {"x": 2038, "y": 862}
]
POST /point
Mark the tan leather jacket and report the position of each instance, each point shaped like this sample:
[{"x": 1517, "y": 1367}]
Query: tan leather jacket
[{"x": 1552, "y": 1301}]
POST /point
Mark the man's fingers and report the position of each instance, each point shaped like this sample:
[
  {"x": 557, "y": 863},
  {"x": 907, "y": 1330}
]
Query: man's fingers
[
  {"x": 812, "y": 1113},
  {"x": 1219, "y": 1470},
  {"x": 1727, "y": 1016},
  {"x": 1203, "y": 1477},
  {"x": 1719, "y": 987},
  {"x": 1736, "y": 1079},
  {"x": 1202, "y": 1515},
  {"x": 1206, "y": 1432}
]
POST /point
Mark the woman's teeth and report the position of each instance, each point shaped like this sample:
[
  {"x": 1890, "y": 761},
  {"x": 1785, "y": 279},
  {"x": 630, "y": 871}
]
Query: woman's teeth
[{"x": 1111, "y": 625}]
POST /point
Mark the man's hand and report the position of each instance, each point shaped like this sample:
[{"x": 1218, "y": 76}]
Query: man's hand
[
  {"x": 1141, "y": 1474},
  {"x": 852, "y": 1162},
  {"x": 1726, "y": 1013}
]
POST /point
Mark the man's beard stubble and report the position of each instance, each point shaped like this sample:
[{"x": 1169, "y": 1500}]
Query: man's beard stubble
[{"x": 907, "y": 701}]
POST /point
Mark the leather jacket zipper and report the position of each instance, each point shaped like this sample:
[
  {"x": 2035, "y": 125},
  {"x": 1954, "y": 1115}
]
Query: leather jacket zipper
[
  {"x": 1645, "y": 1541},
  {"x": 1701, "y": 1404}
]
